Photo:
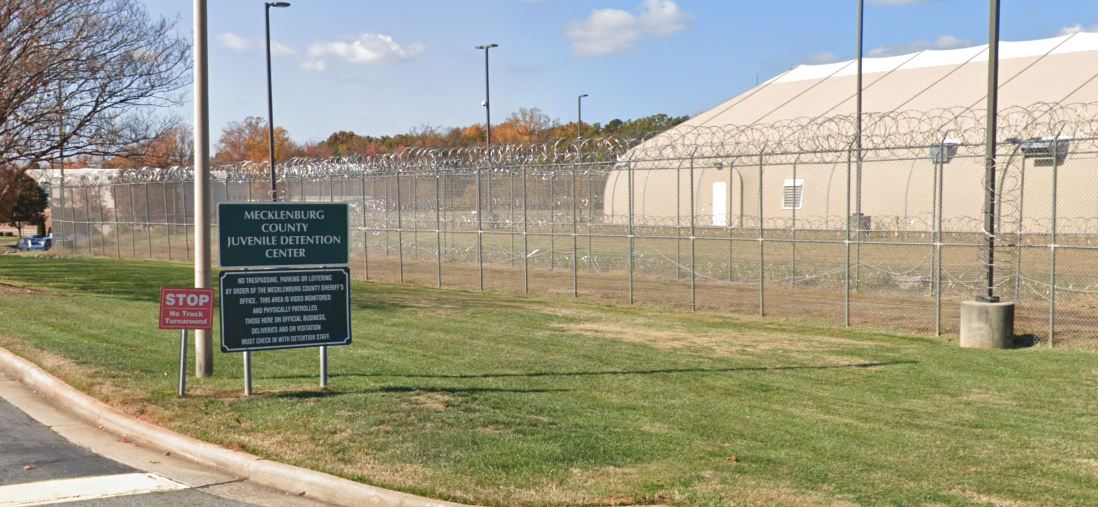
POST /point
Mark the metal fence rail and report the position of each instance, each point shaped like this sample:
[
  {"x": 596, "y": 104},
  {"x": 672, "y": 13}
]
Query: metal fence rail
[{"x": 692, "y": 219}]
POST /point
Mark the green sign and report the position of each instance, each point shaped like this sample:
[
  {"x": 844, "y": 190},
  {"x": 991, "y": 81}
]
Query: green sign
[
  {"x": 283, "y": 309},
  {"x": 282, "y": 234}
]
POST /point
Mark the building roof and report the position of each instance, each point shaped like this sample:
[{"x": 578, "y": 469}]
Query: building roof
[{"x": 1059, "y": 70}]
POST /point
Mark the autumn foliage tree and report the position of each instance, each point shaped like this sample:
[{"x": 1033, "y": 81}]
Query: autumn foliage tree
[
  {"x": 173, "y": 148},
  {"x": 248, "y": 140},
  {"x": 527, "y": 125}
]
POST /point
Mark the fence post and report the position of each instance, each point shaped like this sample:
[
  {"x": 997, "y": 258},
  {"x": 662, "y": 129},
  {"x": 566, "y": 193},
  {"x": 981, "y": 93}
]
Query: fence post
[
  {"x": 846, "y": 245},
  {"x": 1019, "y": 234},
  {"x": 87, "y": 219},
  {"x": 169, "y": 218},
  {"x": 552, "y": 219},
  {"x": 365, "y": 232},
  {"x": 102, "y": 220},
  {"x": 400, "y": 230},
  {"x": 678, "y": 218},
  {"x": 385, "y": 216},
  {"x": 415, "y": 215},
  {"x": 591, "y": 169},
  {"x": 511, "y": 210},
  {"x": 114, "y": 212},
  {"x": 938, "y": 207},
  {"x": 693, "y": 239},
  {"x": 575, "y": 251},
  {"x": 728, "y": 224},
  {"x": 438, "y": 228},
  {"x": 525, "y": 238},
  {"x": 61, "y": 205},
  {"x": 186, "y": 227},
  {"x": 133, "y": 223},
  {"x": 148, "y": 220},
  {"x": 793, "y": 226},
  {"x": 1052, "y": 247},
  {"x": 632, "y": 236},
  {"x": 480, "y": 230},
  {"x": 762, "y": 245}
]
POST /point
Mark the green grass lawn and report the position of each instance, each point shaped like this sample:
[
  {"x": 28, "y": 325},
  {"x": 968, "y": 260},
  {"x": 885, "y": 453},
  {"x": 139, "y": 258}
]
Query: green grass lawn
[{"x": 502, "y": 400}]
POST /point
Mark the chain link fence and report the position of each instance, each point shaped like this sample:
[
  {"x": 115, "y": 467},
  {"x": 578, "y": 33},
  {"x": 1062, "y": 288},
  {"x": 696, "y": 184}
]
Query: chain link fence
[{"x": 785, "y": 220}]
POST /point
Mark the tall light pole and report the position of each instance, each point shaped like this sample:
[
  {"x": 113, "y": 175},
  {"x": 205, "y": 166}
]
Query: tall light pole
[
  {"x": 487, "y": 99},
  {"x": 270, "y": 101},
  {"x": 579, "y": 113},
  {"x": 488, "y": 120}
]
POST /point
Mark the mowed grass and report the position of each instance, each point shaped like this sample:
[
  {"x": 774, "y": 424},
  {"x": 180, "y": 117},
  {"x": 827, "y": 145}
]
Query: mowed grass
[{"x": 500, "y": 400}]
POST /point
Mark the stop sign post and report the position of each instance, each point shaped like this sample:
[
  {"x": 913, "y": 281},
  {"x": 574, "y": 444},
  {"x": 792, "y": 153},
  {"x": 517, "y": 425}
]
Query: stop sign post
[{"x": 183, "y": 309}]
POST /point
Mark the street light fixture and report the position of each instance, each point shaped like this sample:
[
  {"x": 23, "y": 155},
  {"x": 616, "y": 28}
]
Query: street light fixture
[
  {"x": 270, "y": 101},
  {"x": 487, "y": 98},
  {"x": 579, "y": 113},
  {"x": 487, "y": 118}
]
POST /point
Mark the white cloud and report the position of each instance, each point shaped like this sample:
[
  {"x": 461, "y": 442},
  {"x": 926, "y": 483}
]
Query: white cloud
[
  {"x": 663, "y": 17},
  {"x": 368, "y": 48},
  {"x": 236, "y": 42},
  {"x": 280, "y": 49},
  {"x": 1068, "y": 30},
  {"x": 608, "y": 31},
  {"x": 821, "y": 58},
  {"x": 942, "y": 42},
  {"x": 1076, "y": 28}
]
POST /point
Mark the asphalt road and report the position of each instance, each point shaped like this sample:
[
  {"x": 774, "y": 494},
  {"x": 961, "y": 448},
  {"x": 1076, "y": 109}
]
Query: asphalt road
[{"x": 54, "y": 457}]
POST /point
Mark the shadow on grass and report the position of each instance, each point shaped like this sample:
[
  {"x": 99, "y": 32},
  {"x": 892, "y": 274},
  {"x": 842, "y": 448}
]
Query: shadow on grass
[
  {"x": 656, "y": 371},
  {"x": 1025, "y": 341},
  {"x": 303, "y": 395}
]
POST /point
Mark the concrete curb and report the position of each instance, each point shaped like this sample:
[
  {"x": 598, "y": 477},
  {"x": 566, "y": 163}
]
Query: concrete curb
[{"x": 279, "y": 476}]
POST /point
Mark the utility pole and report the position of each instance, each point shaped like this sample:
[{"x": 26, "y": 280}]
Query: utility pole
[
  {"x": 988, "y": 322},
  {"x": 990, "y": 144},
  {"x": 203, "y": 339}
]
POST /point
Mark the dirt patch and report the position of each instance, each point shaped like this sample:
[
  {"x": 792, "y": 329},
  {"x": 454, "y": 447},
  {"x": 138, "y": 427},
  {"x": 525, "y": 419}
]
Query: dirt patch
[
  {"x": 986, "y": 398},
  {"x": 14, "y": 289},
  {"x": 723, "y": 343},
  {"x": 991, "y": 500},
  {"x": 436, "y": 402},
  {"x": 1090, "y": 465}
]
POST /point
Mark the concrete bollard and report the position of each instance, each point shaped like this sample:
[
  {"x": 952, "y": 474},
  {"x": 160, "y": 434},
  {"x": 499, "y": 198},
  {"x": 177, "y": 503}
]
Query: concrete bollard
[{"x": 987, "y": 325}]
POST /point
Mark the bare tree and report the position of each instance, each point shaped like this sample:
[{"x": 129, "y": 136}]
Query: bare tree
[{"x": 85, "y": 75}]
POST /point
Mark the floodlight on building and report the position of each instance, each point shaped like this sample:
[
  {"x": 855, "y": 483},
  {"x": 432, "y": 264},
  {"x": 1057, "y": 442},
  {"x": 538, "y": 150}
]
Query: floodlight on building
[
  {"x": 943, "y": 153},
  {"x": 1044, "y": 149}
]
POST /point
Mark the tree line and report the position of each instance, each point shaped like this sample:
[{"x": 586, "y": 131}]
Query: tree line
[{"x": 247, "y": 139}]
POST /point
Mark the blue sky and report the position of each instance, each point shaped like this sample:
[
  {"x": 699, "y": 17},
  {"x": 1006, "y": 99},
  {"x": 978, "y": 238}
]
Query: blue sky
[{"x": 385, "y": 66}]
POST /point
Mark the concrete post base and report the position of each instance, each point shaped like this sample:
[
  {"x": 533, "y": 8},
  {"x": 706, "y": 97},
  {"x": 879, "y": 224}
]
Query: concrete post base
[{"x": 987, "y": 325}]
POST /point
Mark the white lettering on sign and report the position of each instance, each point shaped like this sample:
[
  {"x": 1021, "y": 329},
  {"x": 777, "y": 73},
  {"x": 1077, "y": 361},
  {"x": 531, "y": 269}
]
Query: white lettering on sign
[{"x": 188, "y": 300}]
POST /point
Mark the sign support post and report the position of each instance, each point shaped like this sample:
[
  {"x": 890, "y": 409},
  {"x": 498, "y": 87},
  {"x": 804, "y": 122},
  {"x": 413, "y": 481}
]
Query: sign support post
[
  {"x": 324, "y": 366},
  {"x": 182, "y": 363},
  {"x": 247, "y": 373}
]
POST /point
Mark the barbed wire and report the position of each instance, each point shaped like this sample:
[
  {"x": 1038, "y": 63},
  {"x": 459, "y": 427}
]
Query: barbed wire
[{"x": 888, "y": 135}]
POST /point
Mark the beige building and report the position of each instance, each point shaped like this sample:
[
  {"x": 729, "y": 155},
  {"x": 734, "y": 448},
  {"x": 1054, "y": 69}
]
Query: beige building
[{"x": 923, "y": 120}]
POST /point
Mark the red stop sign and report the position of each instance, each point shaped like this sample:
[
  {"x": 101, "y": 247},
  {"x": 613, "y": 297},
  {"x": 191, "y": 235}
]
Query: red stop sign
[{"x": 184, "y": 308}]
